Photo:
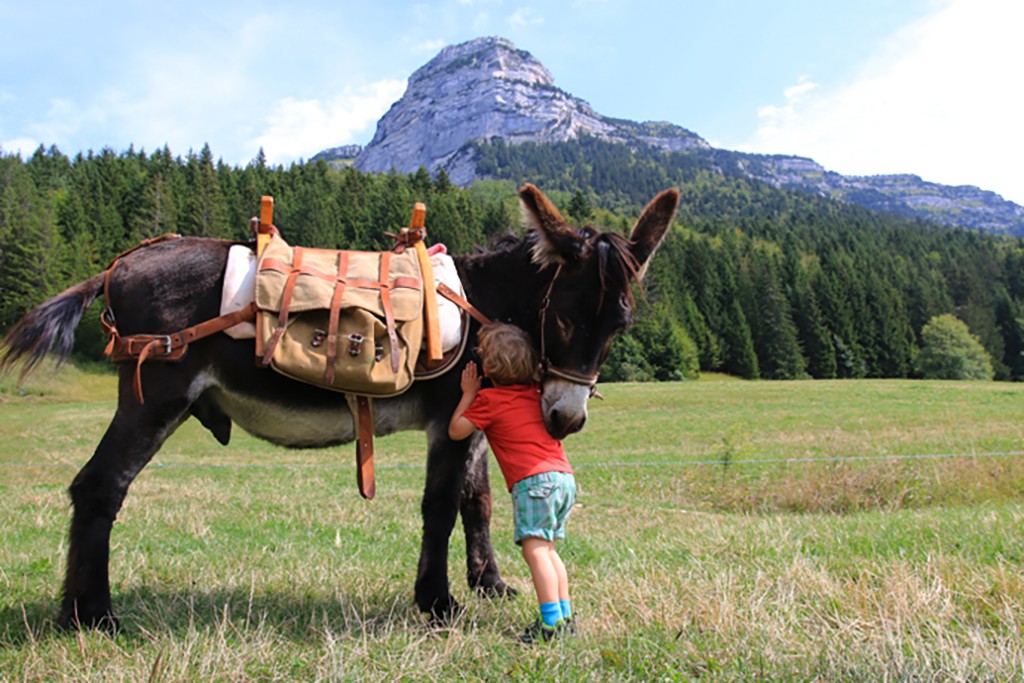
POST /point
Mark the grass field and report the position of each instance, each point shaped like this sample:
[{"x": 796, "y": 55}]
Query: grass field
[{"x": 726, "y": 531}]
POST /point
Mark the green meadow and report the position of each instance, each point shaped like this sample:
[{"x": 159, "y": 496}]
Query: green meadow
[{"x": 725, "y": 531}]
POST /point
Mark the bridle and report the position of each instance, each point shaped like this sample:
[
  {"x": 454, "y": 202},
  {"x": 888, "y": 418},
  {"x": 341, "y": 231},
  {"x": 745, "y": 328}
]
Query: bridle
[{"x": 548, "y": 369}]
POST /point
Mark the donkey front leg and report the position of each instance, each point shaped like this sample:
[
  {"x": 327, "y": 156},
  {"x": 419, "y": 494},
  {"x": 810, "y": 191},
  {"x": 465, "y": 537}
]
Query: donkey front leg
[
  {"x": 481, "y": 567},
  {"x": 446, "y": 470},
  {"x": 97, "y": 492}
]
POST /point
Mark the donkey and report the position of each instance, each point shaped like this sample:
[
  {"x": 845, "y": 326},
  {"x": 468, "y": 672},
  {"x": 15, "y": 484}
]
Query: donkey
[{"x": 570, "y": 289}]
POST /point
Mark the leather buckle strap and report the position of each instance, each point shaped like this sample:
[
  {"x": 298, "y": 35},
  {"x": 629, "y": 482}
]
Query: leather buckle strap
[
  {"x": 335, "y": 316},
  {"x": 450, "y": 294},
  {"x": 361, "y": 408},
  {"x": 166, "y": 347},
  {"x": 286, "y": 301},
  {"x": 281, "y": 267},
  {"x": 547, "y": 368},
  {"x": 389, "y": 312},
  {"x": 579, "y": 378}
]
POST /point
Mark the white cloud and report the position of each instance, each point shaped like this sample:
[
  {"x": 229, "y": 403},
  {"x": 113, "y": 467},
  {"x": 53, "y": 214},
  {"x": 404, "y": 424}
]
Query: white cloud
[
  {"x": 23, "y": 146},
  {"x": 524, "y": 16},
  {"x": 60, "y": 122},
  {"x": 432, "y": 46},
  {"x": 803, "y": 86},
  {"x": 300, "y": 128},
  {"x": 774, "y": 119},
  {"x": 940, "y": 99}
]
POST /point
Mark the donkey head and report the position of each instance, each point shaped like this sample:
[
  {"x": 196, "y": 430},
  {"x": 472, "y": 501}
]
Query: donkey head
[{"x": 590, "y": 298}]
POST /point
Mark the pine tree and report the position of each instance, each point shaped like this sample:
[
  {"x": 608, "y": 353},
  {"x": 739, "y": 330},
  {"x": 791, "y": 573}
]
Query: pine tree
[
  {"x": 207, "y": 214},
  {"x": 775, "y": 336},
  {"x": 739, "y": 357},
  {"x": 30, "y": 246},
  {"x": 1010, "y": 320},
  {"x": 814, "y": 336},
  {"x": 579, "y": 208}
]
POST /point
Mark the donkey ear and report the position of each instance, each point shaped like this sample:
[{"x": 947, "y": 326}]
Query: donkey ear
[
  {"x": 557, "y": 242},
  {"x": 652, "y": 225}
]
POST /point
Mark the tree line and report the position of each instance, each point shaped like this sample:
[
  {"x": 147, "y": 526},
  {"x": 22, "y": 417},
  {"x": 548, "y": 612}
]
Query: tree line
[
  {"x": 761, "y": 282},
  {"x": 751, "y": 280}
]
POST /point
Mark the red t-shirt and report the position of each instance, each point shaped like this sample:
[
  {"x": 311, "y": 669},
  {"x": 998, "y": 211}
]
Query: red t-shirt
[{"x": 510, "y": 416}]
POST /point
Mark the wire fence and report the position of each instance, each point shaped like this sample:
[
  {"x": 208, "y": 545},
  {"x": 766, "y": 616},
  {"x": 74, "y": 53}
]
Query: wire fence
[{"x": 719, "y": 462}]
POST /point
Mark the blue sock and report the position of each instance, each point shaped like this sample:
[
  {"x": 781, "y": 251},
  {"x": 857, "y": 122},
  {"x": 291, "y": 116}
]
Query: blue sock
[
  {"x": 550, "y": 613},
  {"x": 566, "y": 609}
]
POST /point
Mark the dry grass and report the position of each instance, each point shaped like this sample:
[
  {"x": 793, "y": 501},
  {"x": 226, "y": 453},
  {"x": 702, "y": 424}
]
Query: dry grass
[{"x": 250, "y": 563}]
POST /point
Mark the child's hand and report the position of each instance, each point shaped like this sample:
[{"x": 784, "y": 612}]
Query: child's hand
[
  {"x": 459, "y": 427},
  {"x": 470, "y": 379}
]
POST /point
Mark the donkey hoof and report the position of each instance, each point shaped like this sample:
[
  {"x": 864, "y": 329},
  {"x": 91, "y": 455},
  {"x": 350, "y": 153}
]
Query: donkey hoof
[
  {"x": 499, "y": 589},
  {"x": 446, "y": 612},
  {"x": 106, "y": 622}
]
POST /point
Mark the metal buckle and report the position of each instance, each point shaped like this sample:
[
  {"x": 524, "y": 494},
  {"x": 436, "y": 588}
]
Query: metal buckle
[
  {"x": 167, "y": 344},
  {"x": 355, "y": 344}
]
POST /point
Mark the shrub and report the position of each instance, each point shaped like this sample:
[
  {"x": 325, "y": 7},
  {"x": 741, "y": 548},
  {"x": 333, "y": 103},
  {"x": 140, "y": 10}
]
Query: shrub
[{"x": 950, "y": 351}]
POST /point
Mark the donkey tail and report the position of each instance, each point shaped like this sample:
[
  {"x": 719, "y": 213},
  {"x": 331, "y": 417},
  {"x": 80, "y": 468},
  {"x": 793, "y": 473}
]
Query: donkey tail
[{"x": 49, "y": 328}]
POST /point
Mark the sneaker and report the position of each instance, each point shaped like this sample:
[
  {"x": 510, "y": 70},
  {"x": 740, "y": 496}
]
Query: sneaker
[
  {"x": 537, "y": 632},
  {"x": 567, "y": 626}
]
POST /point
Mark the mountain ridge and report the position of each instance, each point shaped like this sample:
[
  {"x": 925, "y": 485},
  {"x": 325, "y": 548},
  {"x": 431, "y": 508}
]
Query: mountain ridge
[{"x": 487, "y": 88}]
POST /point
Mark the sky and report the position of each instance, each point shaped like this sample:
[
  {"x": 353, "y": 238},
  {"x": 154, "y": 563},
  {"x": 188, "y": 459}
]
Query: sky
[{"x": 930, "y": 87}]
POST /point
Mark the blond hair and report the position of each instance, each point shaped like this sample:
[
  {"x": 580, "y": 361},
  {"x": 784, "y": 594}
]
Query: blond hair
[{"x": 507, "y": 354}]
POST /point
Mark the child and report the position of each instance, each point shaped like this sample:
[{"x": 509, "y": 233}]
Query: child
[{"x": 535, "y": 467}]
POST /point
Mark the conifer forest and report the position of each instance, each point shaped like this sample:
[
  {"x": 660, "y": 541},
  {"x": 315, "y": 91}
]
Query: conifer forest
[{"x": 752, "y": 281}]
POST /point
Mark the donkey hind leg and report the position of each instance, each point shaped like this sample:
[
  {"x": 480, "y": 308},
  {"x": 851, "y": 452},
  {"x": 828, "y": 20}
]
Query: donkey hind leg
[
  {"x": 446, "y": 469},
  {"x": 481, "y": 567},
  {"x": 97, "y": 492}
]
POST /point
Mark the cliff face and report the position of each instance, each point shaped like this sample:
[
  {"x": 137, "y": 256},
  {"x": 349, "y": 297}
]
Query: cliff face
[
  {"x": 904, "y": 194},
  {"x": 486, "y": 89}
]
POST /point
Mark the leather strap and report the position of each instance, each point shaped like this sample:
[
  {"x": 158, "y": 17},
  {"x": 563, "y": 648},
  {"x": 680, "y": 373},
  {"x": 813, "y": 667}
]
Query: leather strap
[
  {"x": 281, "y": 267},
  {"x": 364, "y": 447},
  {"x": 163, "y": 347},
  {"x": 335, "y": 318},
  {"x": 450, "y": 294},
  {"x": 167, "y": 347},
  {"x": 389, "y": 312},
  {"x": 286, "y": 301}
]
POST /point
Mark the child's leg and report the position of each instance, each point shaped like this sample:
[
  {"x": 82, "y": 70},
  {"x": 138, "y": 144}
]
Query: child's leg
[
  {"x": 563, "y": 576},
  {"x": 563, "y": 583},
  {"x": 538, "y": 555}
]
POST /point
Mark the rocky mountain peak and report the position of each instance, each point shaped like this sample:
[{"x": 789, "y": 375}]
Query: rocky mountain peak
[
  {"x": 484, "y": 89},
  {"x": 486, "y": 58}
]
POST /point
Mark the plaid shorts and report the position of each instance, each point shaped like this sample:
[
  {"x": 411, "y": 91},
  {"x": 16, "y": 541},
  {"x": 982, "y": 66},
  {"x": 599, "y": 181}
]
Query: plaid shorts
[{"x": 541, "y": 505}]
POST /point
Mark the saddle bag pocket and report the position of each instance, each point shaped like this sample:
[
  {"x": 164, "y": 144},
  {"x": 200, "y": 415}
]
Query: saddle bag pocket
[{"x": 343, "y": 320}]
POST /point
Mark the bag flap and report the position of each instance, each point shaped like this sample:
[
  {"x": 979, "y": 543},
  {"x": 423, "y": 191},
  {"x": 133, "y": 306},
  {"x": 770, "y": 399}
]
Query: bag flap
[{"x": 314, "y": 286}]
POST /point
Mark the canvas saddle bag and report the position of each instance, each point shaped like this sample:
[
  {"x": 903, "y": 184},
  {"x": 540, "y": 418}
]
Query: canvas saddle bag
[
  {"x": 350, "y": 321},
  {"x": 355, "y": 321}
]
